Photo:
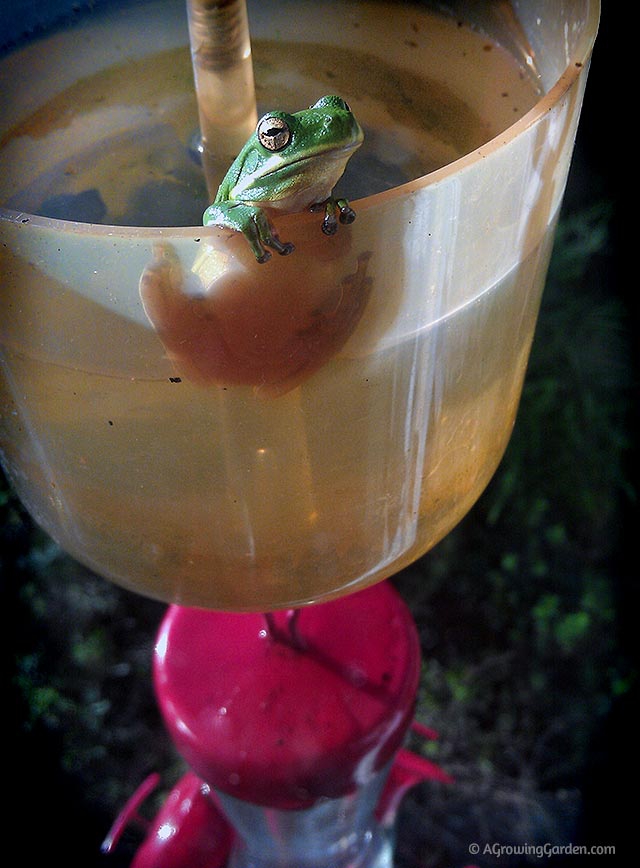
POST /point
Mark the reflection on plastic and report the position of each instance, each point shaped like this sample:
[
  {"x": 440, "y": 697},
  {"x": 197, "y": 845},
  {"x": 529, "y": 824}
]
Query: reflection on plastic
[{"x": 228, "y": 321}]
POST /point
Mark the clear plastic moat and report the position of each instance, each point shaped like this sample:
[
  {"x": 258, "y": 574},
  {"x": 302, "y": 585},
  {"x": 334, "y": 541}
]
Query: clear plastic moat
[{"x": 221, "y": 433}]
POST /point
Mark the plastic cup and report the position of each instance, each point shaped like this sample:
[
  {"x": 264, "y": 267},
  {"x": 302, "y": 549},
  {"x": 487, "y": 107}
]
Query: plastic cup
[{"x": 218, "y": 433}]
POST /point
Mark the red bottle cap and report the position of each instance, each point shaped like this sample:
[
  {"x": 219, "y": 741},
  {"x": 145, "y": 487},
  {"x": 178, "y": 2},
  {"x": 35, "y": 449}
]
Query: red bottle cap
[{"x": 282, "y": 710}]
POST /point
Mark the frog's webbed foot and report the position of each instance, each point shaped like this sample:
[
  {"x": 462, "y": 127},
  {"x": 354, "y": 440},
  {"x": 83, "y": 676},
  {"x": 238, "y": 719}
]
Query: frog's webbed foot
[{"x": 334, "y": 210}]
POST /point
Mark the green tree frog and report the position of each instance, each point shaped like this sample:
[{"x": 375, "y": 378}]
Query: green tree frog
[{"x": 292, "y": 162}]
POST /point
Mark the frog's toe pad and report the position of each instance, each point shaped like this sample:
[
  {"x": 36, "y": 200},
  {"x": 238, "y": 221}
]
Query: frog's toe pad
[
  {"x": 284, "y": 248},
  {"x": 347, "y": 214},
  {"x": 330, "y": 225}
]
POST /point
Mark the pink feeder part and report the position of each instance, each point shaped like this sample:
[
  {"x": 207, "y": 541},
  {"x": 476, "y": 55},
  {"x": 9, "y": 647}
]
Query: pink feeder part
[
  {"x": 188, "y": 832},
  {"x": 408, "y": 770},
  {"x": 286, "y": 709}
]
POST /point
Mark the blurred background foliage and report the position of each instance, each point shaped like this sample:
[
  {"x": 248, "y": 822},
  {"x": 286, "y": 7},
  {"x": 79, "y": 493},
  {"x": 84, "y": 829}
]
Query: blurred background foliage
[{"x": 526, "y": 611}]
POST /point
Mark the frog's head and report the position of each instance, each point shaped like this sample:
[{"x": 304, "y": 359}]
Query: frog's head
[{"x": 294, "y": 160}]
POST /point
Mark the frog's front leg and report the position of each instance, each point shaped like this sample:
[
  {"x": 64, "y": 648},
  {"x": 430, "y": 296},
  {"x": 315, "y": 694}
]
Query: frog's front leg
[
  {"x": 335, "y": 209},
  {"x": 254, "y": 225}
]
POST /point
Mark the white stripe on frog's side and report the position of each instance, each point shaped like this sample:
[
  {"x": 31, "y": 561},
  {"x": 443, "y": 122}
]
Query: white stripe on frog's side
[{"x": 303, "y": 182}]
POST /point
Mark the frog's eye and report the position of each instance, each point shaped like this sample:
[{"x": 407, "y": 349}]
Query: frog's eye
[{"x": 273, "y": 133}]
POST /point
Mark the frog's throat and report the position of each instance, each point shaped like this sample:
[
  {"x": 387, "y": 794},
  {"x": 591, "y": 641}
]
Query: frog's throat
[{"x": 279, "y": 165}]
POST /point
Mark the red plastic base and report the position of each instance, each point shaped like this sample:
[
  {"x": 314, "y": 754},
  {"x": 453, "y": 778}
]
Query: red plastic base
[{"x": 282, "y": 710}]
